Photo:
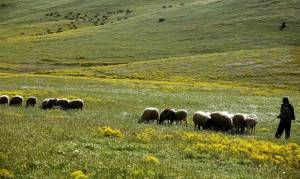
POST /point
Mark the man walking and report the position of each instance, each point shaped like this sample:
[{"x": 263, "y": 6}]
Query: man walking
[{"x": 286, "y": 116}]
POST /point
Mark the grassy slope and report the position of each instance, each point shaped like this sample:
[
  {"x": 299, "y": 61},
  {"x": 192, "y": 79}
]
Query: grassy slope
[
  {"x": 207, "y": 55},
  {"x": 195, "y": 28}
]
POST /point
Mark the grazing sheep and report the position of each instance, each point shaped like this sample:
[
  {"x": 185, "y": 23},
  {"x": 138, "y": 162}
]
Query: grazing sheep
[
  {"x": 31, "y": 101},
  {"x": 221, "y": 121},
  {"x": 75, "y": 104},
  {"x": 149, "y": 114},
  {"x": 251, "y": 121},
  {"x": 181, "y": 115},
  {"x": 4, "y": 99},
  {"x": 16, "y": 100},
  {"x": 48, "y": 103},
  {"x": 239, "y": 123},
  {"x": 200, "y": 119},
  {"x": 167, "y": 115},
  {"x": 63, "y": 103}
]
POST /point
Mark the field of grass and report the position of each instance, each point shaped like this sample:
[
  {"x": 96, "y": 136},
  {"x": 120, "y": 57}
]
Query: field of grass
[
  {"x": 37, "y": 143},
  {"x": 207, "y": 55}
]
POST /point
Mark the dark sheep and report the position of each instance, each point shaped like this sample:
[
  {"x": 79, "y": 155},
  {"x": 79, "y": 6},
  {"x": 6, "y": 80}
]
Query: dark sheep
[
  {"x": 4, "y": 99},
  {"x": 63, "y": 103},
  {"x": 31, "y": 101},
  {"x": 75, "y": 104},
  {"x": 149, "y": 114},
  {"x": 239, "y": 123},
  {"x": 48, "y": 103},
  {"x": 181, "y": 115},
  {"x": 167, "y": 115},
  {"x": 16, "y": 100},
  {"x": 221, "y": 121}
]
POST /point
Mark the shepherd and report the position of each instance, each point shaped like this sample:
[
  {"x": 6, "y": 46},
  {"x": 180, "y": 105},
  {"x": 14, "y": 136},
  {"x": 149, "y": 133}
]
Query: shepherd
[{"x": 286, "y": 116}]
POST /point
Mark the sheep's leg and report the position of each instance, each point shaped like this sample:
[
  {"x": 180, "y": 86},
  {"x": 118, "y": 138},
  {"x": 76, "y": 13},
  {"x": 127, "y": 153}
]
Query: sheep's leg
[{"x": 243, "y": 129}]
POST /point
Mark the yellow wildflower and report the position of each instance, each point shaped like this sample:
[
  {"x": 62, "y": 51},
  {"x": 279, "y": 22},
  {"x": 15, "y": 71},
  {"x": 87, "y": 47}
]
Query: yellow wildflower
[
  {"x": 110, "y": 132},
  {"x": 4, "y": 173},
  {"x": 152, "y": 159},
  {"x": 146, "y": 135},
  {"x": 78, "y": 174}
]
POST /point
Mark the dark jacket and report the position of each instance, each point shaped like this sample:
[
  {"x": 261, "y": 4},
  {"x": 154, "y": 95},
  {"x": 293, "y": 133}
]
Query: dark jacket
[{"x": 287, "y": 112}]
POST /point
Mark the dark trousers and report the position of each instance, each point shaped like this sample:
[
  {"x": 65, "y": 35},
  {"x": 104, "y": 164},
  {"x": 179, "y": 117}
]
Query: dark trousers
[{"x": 284, "y": 125}]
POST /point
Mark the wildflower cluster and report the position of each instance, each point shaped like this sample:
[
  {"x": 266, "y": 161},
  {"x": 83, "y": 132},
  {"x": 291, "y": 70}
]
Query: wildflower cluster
[
  {"x": 146, "y": 135},
  {"x": 78, "y": 174},
  {"x": 4, "y": 173},
  {"x": 152, "y": 159},
  {"x": 110, "y": 132},
  {"x": 258, "y": 151}
]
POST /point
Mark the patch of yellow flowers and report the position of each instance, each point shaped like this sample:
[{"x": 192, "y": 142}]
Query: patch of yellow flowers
[
  {"x": 110, "y": 132},
  {"x": 152, "y": 159},
  {"x": 4, "y": 173},
  {"x": 258, "y": 151},
  {"x": 146, "y": 135},
  {"x": 78, "y": 174}
]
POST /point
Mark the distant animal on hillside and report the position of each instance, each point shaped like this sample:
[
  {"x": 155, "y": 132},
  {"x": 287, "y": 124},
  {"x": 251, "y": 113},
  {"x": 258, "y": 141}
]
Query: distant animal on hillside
[
  {"x": 200, "y": 119},
  {"x": 168, "y": 115},
  {"x": 16, "y": 100},
  {"x": 181, "y": 116},
  {"x": 161, "y": 20},
  {"x": 4, "y": 99},
  {"x": 31, "y": 101},
  {"x": 149, "y": 114},
  {"x": 283, "y": 26},
  {"x": 75, "y": 104}
]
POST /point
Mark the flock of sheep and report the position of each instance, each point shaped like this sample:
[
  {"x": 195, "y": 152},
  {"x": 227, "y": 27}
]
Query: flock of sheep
[
  {"x": 50, "y": 103},
  {"x": 218, "y": 121}
]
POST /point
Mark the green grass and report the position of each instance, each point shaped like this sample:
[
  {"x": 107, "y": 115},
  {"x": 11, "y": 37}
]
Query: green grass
[
  {"x": 37, "y": 143},
  {"x": 208, "y": 55}
]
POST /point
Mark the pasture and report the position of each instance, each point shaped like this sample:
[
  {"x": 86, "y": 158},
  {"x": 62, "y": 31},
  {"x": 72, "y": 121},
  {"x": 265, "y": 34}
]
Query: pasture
[{"x": 54, "y": 143}]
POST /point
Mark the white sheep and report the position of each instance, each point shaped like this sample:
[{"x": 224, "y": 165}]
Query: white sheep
[
  {"x": 16, "y": 100},
  {"x": 75, "y": 104},
  {"x": 31, "y": 101},
  {"x": 251, "y": 121},
  {"x": 4, "y": 99},
  {"x": 149, "y": 114},
  {"x": 181, "y": 115},
  {"x": 200, "y": 119}
]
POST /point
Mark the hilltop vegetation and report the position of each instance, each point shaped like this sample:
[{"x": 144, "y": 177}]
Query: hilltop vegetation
[{"x": 122, "y": 56}]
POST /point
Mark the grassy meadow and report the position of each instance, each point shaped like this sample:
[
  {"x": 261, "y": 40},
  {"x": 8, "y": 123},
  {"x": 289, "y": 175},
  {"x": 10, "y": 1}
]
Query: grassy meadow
[{"x": 207, "y": 55}]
